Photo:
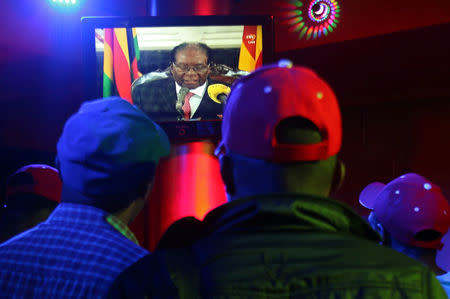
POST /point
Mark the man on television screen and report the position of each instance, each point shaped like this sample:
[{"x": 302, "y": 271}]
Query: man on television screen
[{"x": 183, "y": 94}]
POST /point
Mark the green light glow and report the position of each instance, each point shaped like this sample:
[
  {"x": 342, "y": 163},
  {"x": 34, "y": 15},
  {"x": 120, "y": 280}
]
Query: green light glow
[
  {"x": 302, "y": 19},
  {"x": 302, "y": 33},
  {"x": 309, "y": 33},
  {"x": 299, "y": 26}
]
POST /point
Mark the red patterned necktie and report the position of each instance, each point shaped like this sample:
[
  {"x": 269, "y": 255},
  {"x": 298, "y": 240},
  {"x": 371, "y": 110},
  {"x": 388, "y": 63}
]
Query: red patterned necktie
[{"x": 186, "y": 106}]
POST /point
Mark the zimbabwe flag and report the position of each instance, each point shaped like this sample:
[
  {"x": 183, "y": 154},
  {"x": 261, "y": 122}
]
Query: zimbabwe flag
[
  {"x": 120, "y": 68},
  {"x": 250, "y": 56}
]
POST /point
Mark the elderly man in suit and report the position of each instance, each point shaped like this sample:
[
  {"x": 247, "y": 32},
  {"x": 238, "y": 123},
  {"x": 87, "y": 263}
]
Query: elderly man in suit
[{"x": 183, "y": 95}]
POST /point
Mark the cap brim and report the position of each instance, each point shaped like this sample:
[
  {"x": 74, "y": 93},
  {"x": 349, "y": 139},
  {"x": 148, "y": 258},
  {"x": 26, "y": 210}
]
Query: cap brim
[
  {"x": 443, "y": 255},
  {"x": 368, "y": 196}
]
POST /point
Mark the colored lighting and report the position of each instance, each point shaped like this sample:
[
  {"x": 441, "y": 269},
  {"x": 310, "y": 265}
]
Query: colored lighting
[
  {"x": 319, "y": 17},
  {"x": 427, "y": 186},
  {"x": 65, "y": 4}
]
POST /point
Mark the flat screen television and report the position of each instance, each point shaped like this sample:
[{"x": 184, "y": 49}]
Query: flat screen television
[{"x": 133, "y": 57}]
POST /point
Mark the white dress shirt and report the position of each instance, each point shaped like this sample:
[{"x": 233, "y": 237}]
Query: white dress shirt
[{"x": 195, "y": 100}]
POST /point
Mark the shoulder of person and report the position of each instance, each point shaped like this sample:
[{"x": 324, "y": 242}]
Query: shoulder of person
[
  {"x": 182, "y": 233},
  {"x": 151, "y": 79},
  {"x": 148, "y": 277}
]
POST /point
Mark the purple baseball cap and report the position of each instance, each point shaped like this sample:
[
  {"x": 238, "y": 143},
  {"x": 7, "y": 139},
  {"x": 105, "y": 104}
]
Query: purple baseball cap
[{"x": 408, "y": 206}]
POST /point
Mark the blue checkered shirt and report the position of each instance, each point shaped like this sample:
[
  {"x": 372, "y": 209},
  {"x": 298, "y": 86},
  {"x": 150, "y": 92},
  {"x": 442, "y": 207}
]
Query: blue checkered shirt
[{"x": 75, "y": 253}]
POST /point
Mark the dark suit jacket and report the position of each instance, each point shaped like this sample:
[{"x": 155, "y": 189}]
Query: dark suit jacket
[{"x": 157, "y": 98}]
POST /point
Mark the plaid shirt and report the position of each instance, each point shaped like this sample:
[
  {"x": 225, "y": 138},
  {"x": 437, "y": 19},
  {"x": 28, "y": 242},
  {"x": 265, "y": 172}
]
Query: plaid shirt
[{"x": 75, "y": 253}]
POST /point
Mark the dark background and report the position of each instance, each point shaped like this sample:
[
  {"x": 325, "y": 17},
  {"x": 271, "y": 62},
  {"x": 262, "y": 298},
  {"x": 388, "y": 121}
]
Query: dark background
[{"x": 388, "y": 62}]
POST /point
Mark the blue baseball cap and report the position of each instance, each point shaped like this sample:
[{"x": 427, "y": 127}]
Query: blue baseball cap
[{"x": 107, "y": 148}]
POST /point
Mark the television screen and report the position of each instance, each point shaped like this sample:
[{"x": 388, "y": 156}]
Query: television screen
[{"x": 178, "y": 70}]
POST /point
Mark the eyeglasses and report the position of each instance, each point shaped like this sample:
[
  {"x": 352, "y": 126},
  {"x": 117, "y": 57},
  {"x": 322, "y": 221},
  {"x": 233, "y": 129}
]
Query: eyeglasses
[{"x": 183, "y": 68}]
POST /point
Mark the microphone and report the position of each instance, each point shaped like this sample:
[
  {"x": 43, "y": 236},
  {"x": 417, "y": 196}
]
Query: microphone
[
  {"x": 180, "y": 101},
  {"x": 219, "y": 93}
]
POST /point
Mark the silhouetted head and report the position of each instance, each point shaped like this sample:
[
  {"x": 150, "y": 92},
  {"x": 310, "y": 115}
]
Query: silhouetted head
[
  {"x": 32, "y": 193},
  {"x": 281, "y": 132},
  {"x": 107, "y": 154},
  {"x": 413, "y": 216}
]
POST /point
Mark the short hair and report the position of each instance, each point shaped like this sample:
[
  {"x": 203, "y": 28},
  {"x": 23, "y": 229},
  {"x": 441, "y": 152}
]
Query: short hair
[
  {"x": 200, "y": 46},
  {"x": 297, "y": 130},
  {"x": 121, "y": 200},
  {"x": 292, "y": 130}
]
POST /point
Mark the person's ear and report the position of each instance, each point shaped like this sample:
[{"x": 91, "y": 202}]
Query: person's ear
[
  {"x": 226, "y": 171},
  {"x": 171, "y": 68},
  {"x": 338, "y": 176},
  {"x": 149, "y": 189},
  {"x": 377, "y": 226},
  {"x": 210, "y": 69}
]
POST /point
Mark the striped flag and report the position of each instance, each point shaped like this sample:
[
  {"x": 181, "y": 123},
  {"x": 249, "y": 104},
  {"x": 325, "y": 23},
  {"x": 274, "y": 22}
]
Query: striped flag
[
  {"x": 120, "y": 68},
  {"x": 250, "y": 56}
]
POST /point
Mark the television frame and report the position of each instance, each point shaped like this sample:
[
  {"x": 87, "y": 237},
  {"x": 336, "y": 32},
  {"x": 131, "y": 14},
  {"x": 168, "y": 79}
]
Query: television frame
[{"x": 177, "y": 131}]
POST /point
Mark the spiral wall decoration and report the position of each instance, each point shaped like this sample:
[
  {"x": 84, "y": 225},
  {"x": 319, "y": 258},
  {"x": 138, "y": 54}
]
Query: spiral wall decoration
[{"x": 312, "y": 20}]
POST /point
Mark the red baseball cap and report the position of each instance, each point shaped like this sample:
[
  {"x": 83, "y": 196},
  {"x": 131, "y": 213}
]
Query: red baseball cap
[
  {"x": 39, "y": 179},
  {"x": 260, "y": 101},
  {"x": 408, "y": 205}
]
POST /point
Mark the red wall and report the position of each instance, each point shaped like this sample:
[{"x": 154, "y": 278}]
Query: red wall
[
  {"x": 40, "y": 57},
  {"x": 393, "y": 88},
  {"x": 394, "y": 94},
  {"x": 358, "y": 18}
]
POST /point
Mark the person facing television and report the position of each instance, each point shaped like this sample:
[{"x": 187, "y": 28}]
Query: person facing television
[
  {"x": 32, "y": 193},
  {"x": 183, "y": 94},
  {"x": 412, "y": 216},
  {"x": 280, "y": 235},
  {"x": 106, "y": 157}
]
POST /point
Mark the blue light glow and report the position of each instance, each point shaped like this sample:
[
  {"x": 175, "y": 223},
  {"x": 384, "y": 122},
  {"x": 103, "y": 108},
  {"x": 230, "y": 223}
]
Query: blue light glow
[
  {"x": 267, "y": 89},
  {"x": 427, "y": 186},
  {"x": 66, "y": 6},
  {"x": 285, "y": 63}
]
